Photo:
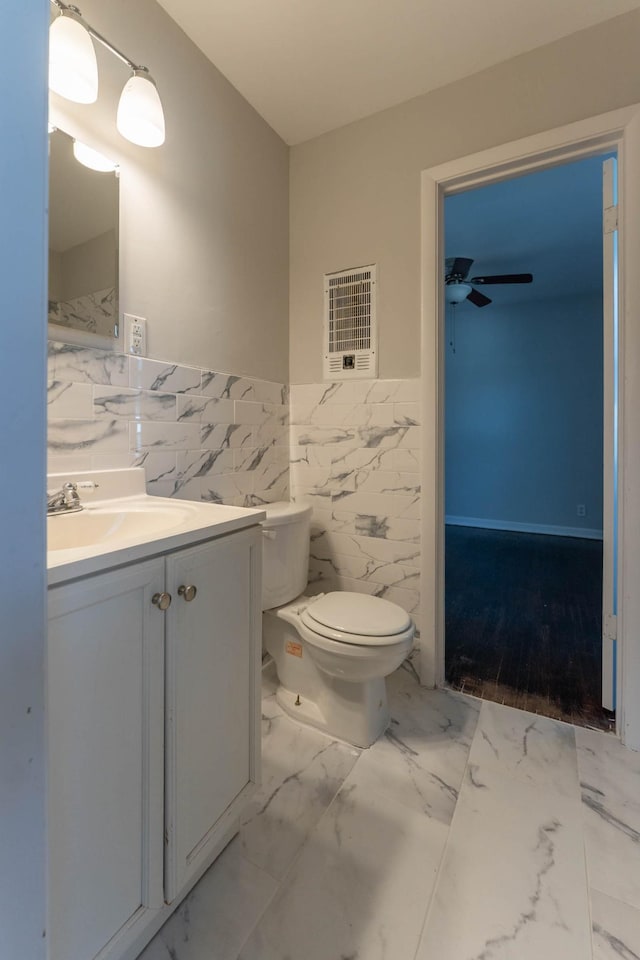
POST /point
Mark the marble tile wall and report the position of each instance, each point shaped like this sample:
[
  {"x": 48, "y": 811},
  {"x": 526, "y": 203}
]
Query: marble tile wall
[
  {"x": 352, "y": 451},
  {"x": 355, "y": 458},
  {"x": 94, "y": 312},
  {"x": 199, "y": 434}
]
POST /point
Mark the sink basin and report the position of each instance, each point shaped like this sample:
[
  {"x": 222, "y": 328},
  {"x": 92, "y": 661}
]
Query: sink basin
[
  {"x": 103, "y": 525},
  {"x": 126, "y": 524}
]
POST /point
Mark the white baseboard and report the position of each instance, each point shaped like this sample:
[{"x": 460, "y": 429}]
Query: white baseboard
[{"x": 585, "y": 533}]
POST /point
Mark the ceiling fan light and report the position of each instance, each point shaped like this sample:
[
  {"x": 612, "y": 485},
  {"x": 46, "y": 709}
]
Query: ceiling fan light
[
  {"x": 457, "y": 292},
  {"x": 73, "y": 68},
  {"x": 140, "y": 116}
]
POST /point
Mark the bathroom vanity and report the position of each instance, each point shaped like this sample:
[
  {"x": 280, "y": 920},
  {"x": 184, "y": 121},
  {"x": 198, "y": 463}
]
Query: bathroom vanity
[{"x": 153, "y": 706}]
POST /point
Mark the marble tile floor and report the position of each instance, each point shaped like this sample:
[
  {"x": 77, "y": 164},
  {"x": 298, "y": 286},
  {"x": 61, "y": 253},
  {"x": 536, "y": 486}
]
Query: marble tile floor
[{"x": 470, "y": 831}]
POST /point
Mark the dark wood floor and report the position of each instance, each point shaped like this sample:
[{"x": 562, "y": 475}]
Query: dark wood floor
[{"x": 523, "y": 621}]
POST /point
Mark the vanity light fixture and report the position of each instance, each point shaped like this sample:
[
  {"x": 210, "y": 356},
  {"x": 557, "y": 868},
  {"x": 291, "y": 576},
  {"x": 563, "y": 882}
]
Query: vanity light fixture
[
  {"x": 73, "y": 68},
  {"x": 89, "y": 157},
  {"x": 140, "y": 116}
]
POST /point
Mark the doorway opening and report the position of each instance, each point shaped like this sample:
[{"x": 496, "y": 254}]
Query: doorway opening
[{"x": 530, "y": 441}]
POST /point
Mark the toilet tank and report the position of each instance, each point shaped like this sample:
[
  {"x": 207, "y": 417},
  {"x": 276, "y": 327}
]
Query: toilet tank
[{"x": 285, "y": 552}]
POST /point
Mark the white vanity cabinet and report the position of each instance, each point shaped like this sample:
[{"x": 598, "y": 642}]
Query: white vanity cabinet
[
  {"x": 105, "y": 739},
  {"x": 153, "y": 727},
  {"x": 212, "y": 739}
]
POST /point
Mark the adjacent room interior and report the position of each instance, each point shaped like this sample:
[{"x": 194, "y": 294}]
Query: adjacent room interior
[{"x": 524, "y": 442}]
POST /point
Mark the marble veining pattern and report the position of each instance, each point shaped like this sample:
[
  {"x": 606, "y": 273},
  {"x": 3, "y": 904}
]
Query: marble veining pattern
[
  {"x": 616, "y": 929},
  {"x": 129, "y": 404},
  {"x": 170, "y": 377},
  {"x": 515, "y": 860},
  {"x": 211, "y": 924},
  {"x": 69, "y": 400},
  {"x": 95, "y": 312},
  {"x": 533, "y": 749},
  {"x": 181, "y": 423},
  {"x": 316, "y": 769},
  {"x": 355, "y": 457},
  {"x": 367, "y": 868},
  {"x": 610, "y": 785},
  {"x": 458, "y": 835},
  {"x": 69, "y": 436},
  {"x": 71, "y": 363}
]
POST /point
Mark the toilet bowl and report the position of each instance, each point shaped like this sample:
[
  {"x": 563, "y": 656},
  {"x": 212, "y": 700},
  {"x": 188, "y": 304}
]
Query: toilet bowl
[{"x": 332, "y": 651}]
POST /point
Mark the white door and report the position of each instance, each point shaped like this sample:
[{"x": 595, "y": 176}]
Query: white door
[
  {"x": 212, "y": 665},
  {"x": 105, "y": 751},
  {"x": 610, "y": 448}
]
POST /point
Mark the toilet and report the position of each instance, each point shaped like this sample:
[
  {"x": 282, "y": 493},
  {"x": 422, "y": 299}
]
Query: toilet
[{"x": 332, "y": 651}]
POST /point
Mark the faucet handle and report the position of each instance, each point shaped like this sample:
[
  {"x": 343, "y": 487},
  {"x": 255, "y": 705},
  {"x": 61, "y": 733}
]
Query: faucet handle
[
  {"x": 63, "y": 500},
  {"x": 70, "y": 493}
]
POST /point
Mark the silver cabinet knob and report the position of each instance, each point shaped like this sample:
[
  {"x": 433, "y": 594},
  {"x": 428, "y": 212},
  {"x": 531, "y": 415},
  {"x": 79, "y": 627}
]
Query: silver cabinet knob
[
  {"x": 161, "y": 600},
  {"x": 187, "y": 592}
]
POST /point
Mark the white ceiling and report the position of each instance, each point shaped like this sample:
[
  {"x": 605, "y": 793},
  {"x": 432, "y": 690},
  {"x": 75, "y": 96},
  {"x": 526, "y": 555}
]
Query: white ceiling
[{"x": 309, "y": 66}]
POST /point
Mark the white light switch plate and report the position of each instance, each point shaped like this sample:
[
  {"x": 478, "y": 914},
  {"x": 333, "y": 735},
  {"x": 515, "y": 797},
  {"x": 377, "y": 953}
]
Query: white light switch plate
[{"x": 135, "y": 333}]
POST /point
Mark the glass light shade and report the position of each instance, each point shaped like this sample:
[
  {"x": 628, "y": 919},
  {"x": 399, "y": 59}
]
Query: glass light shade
[
  {"x": 92, "y": 159},
  {"x": 457, "y": 292},
  {"x": 140, "y": 115},
  {"x": 73, "y": 69}
]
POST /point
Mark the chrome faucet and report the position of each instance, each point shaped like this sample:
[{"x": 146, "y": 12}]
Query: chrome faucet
[{"x": 65, "y": 500}]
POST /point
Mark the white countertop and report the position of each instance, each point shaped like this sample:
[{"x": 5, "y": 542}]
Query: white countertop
[{"x": 186, "y": 522}]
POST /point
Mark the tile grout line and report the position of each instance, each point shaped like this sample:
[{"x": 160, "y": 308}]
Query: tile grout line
[
  {"x": 294, "y": 861},
  {"x": 429, "y": 906},
  {"x": 584, "y": 846}
]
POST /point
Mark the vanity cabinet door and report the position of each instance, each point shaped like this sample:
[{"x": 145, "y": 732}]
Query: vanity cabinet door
[
  {"x": 212, "y": 677},
  {"x": 105, "y": 732}
]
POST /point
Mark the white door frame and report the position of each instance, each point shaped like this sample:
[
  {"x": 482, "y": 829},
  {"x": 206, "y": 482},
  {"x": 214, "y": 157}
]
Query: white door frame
[{"x": 619, "y": 130}]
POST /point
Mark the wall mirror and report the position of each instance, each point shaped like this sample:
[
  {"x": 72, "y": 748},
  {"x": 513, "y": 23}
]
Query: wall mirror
[{"x": 83, "y": 238}]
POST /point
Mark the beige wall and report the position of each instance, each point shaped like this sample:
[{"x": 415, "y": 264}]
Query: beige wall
[
  {"x": 204, "y": 219},
  {"x": 355, "y": 192},
  {"x": 55, "y": 275},
  {"x": 88, "y": 267}
]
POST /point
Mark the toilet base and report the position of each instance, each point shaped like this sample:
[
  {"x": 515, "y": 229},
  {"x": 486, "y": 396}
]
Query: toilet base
[{"x": 354, "y": 712}]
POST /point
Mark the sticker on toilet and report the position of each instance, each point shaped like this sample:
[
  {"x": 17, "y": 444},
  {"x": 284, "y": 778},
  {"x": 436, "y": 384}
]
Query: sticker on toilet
[{"x": 295, "y": 649}]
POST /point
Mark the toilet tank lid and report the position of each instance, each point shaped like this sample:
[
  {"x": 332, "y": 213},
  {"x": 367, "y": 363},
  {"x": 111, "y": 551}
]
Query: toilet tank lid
[
  {"x": 284, "y": 511},
  {"x": 359, "y": 613}
]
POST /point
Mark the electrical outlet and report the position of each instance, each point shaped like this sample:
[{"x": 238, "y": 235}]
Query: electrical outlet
[
  {"x": 135, "y": 332},
  {"x": 581, "y": 509}
]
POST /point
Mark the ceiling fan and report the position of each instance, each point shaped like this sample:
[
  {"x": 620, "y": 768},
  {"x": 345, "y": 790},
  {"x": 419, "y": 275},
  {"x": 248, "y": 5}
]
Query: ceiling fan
[{"x": 458, "y": 288}]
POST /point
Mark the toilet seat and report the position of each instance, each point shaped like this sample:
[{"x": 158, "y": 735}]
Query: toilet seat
[{"x": 357, "y": 619}]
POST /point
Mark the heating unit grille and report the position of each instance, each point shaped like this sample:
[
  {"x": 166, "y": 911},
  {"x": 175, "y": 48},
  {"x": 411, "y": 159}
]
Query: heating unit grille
[{"x": 350, "y": 324}]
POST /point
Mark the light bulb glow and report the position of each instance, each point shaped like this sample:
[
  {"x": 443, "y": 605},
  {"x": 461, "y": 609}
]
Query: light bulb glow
[
  {"x": 73, "y": 68},
  {"x": 92, "y": 159},
  {"x": 140, "y": 115},
  {"x": 457, "y": 292}
]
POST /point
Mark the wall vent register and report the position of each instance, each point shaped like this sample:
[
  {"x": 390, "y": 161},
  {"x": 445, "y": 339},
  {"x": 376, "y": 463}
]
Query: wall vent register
[{"x": 350, "y": 329}]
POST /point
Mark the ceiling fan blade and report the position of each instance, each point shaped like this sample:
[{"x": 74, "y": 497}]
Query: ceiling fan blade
[
  {"x": 457, "y": 267},
  {"x": 505, "y": 278},
  {"x": 478, "y": 299}
]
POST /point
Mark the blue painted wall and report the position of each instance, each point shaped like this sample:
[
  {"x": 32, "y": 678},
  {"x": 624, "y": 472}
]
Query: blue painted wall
[{"x": 524, "y": 385}]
